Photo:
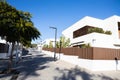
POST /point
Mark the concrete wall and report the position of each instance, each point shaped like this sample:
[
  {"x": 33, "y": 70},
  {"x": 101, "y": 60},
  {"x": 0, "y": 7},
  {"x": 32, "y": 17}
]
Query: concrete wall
[
  {"x": 101, "y": 65},
  {"x": 94, "y": 65}
]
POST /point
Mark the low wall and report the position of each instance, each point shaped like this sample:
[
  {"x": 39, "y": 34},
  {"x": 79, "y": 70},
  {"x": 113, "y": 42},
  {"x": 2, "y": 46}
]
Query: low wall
[
  {"x": 94, "y": 65},
  {"x": 102, "y": 65}
]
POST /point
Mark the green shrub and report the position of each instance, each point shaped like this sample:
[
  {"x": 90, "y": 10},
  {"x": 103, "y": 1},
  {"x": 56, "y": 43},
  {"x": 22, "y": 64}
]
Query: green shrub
[
  {"x": 86, "y": 45},
  {"x": 99, "y": 30},
  {"x": 108, "y": 32}
]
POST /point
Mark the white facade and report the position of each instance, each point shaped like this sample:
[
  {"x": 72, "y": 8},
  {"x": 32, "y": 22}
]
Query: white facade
[
  {"x": 93, "y": 65},
  {"x": 96, "y": 39}
]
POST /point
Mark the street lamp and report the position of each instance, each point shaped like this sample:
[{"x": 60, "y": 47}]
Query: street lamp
[
  {"x": 55, "y": 41},
  {"x": 60, "y": 48}
]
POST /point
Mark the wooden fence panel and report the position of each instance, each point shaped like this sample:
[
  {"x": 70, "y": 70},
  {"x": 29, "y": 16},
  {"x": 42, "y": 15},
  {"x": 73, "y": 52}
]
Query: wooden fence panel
[
  {"x": 90, "y": 53},
  {"x": 85, "y": 53},
  {"x": 106, "y": 54}
]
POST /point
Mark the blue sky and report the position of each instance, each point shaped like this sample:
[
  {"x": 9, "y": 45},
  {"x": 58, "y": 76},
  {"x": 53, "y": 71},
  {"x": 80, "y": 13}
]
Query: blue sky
[{"x": 64, "y": 13}]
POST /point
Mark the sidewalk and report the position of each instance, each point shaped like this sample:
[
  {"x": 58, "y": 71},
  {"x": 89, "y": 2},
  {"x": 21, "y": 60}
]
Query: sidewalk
[{"x": 42, "y": 67}]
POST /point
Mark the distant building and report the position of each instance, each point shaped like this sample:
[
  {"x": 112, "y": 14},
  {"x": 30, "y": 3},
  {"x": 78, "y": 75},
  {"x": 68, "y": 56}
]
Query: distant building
[
  {"x": 78, "y": 32},
  {"x": 2, "y": 40},
  {"x": 47, "y": 41},
  {"x": 5, "y": 49}
]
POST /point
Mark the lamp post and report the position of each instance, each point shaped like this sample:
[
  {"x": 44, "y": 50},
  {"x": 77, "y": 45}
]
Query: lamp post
[
  {"x": 55, "y": 41},
  {"x": 60, "y": 48}
]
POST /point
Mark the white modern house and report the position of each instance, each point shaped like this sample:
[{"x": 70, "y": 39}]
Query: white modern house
[
  {"x": 104, "y": 51},
  {"x": 78, "y": 32}
]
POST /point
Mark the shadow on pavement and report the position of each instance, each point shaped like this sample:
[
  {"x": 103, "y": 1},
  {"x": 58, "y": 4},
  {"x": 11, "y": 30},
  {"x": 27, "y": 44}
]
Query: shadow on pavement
[
  {"x": 31, "y": 64},
  {"x": 79, "y": 74}
]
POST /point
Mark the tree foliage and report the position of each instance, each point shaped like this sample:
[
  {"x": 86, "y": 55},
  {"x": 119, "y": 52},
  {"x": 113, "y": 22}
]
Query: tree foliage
[
  {"x": 50, "y": 44},
  {"x": 45, "y": 46},
  {"x": 16, "y": 26},
  {"x": 86, "y": 45},
  {"x": 33, "y": 45},
  {"x": 8, "y": 18},
  {"x": 64, "y": 42}
]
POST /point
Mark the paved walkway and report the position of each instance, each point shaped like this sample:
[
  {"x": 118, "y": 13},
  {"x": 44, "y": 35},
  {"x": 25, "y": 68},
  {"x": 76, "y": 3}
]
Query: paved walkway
[{"x": 42, "y": 67}]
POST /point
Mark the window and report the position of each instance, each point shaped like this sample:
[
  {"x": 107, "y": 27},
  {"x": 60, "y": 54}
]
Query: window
[{"x": 119, "y": 28}]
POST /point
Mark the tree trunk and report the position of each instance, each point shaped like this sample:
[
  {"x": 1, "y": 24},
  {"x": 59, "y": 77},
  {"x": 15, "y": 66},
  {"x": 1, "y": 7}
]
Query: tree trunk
[{"x": 11, "y": 58}]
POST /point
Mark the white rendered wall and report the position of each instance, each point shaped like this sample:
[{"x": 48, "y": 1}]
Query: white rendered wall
[
  {"x": 81, "y": 23},
  {"x": 94, "y": 65},
  {"x": 97, "y": 40},
  {"x": 107, "y": 24},
  {"x": 99, "y": 65},
  {"x": 110, "y": 24}
]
